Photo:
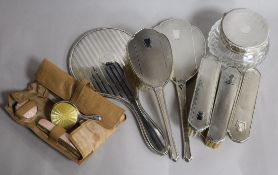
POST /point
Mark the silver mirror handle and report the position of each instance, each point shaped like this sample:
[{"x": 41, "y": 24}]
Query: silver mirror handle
[
  {"x": 181, "y": 92},
  {"x": 91, "y": 117},
  {"x": 152, "y": 134}
]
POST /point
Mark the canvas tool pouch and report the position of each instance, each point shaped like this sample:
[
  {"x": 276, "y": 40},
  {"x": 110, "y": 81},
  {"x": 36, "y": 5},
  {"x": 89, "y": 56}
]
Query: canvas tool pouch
[{"x": 31, "y": 108}]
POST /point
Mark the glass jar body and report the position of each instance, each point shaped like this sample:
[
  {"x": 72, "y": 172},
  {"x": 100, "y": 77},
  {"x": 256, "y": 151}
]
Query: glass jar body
[{"x": 243, "y": 60}]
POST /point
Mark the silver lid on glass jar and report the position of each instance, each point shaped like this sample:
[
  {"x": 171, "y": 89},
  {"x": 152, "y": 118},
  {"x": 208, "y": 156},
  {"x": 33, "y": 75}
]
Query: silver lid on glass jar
[{"x": 240, "y": 39}]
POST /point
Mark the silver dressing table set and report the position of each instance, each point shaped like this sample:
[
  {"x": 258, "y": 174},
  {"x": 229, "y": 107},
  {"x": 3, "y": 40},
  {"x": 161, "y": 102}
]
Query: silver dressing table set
[{"x": 118, "y": 64}]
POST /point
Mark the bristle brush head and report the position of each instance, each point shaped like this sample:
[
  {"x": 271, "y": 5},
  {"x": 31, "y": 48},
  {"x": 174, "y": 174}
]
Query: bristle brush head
[
  {"x": 191, "y": 132},
  {"x": 208, "y": 142},
  {"x": 130, "y": 75}
]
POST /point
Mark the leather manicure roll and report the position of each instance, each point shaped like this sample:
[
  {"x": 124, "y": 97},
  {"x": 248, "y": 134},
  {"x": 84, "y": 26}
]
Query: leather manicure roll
[
  {"x": 79, "y": 93},
  {"x": 32, "y": 108}
]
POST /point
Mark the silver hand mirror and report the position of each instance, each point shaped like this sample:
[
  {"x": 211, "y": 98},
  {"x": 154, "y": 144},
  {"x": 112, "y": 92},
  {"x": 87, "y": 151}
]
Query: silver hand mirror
[
  {"x": 188, "y": 47},
  {"x": 151, "y": 60},
  {"x": 98, "y": 56}
]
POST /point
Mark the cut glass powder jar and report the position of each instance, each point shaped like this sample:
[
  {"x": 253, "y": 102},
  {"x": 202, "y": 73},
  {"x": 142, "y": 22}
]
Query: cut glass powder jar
[{"x": 240, "y": 39}]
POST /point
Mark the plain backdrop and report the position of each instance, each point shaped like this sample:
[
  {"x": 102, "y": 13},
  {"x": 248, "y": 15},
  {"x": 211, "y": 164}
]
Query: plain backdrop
[{"x": 33, "y": 29}]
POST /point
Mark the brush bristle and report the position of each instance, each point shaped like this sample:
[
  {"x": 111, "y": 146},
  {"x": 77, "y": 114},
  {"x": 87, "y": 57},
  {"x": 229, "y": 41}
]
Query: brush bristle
[
  {"x": 191, "y": 132},
  {"x": 131, "y": 77},
  {"x": 208, "y": 142}
]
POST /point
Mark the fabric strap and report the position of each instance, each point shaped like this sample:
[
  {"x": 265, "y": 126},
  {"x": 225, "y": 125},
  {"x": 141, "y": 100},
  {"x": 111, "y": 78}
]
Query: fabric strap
[{"x": 56, "y": 132}]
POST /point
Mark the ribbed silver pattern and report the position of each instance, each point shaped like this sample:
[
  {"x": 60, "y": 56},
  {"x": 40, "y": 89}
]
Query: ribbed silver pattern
[{"x": 96, "y": 46}]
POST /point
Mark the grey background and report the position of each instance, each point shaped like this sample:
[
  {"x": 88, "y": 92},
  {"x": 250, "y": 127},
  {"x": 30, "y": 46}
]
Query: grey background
[{"x": 33, "y": 29}]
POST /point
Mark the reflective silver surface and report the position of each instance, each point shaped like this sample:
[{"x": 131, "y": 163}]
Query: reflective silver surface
[
  {"x": 188, "y": 48},
  {"x": 229, "y": 83},
  {"x": 98, "y": 56},
  {"x": 151, "y": 57},
  {"x": 204, "y": 93},
  {"x": 242, "y": 114},
  {"x": 240, "y": 39},
  {"x": 32, "y": 29},
  {"x": 244, "y": 28},
  {"x": 151, "y": 60}
]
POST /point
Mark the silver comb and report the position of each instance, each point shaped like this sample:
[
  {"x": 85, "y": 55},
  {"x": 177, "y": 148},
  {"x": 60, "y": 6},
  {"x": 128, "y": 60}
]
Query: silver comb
[{"x": 109, "y": 78}]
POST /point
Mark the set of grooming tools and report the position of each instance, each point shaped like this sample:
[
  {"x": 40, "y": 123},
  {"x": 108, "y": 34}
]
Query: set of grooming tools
[{"x": 117, "y": 63}]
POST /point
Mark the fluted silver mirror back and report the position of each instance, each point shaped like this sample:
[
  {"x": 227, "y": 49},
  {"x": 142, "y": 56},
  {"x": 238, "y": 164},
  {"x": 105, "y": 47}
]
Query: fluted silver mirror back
[
  {"x": 151, "y": 57},
  {"x": 95, "y": 47}
]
